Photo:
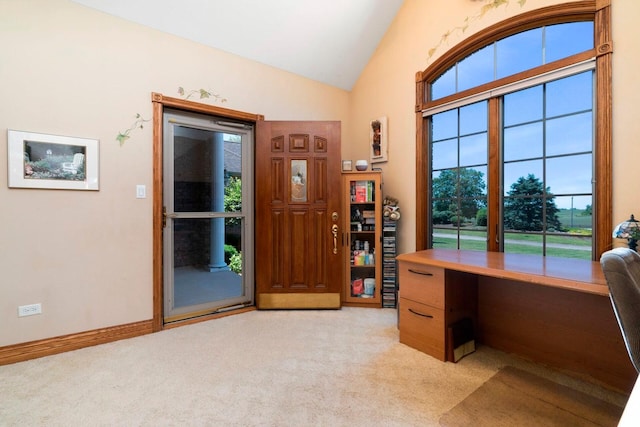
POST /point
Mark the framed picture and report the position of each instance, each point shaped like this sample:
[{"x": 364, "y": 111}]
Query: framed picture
[
  {"x": 38, "y": 160},
  {"x": 378, "y": 140},
  {"x": 347, "y": 165}
]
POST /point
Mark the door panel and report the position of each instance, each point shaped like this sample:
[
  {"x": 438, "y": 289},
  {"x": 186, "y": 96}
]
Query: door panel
[
  {"x": 297, "y": 193},
  {"x": 298, "y": 239}
]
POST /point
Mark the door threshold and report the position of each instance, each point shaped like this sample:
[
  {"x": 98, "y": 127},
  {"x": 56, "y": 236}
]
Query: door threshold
[{"x": 210, "y": 316}]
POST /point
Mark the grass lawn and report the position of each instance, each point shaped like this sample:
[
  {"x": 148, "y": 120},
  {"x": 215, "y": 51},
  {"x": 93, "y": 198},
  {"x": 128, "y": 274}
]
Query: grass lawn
[
  {"x": 577, "y": 220},
  {"x": 517, "y": 243}
]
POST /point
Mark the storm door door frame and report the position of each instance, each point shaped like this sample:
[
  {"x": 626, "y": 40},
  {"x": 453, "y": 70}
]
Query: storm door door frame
[{"x": 160, "y": 102}]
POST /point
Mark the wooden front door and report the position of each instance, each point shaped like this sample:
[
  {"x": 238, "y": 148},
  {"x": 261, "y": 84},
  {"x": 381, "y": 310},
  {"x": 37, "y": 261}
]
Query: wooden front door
[{"x": 298, "y": 215}]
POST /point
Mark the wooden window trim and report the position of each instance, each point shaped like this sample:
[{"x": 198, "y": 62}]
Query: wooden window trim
[{"x": 598, "y": 11}]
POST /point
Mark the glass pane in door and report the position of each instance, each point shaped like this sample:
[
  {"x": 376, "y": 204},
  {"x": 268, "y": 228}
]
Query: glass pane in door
[{"x": 207, "y": 261}]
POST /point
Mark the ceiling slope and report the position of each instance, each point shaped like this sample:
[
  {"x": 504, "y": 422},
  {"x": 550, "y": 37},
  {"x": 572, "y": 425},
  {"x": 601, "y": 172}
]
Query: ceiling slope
[{"x": 330, "y": 41}]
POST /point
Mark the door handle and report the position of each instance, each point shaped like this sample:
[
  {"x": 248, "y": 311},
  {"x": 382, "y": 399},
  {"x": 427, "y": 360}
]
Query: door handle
[
  {"x": 334, "y": 231},
  {"x": 164, "y": 216}
]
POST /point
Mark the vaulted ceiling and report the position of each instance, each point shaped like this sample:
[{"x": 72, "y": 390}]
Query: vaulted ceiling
[{"x": 330, "y": 41}]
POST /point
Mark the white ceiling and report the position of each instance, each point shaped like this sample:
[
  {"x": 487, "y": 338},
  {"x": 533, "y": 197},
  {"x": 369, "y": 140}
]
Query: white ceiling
[{"x": 330, "y": 41}]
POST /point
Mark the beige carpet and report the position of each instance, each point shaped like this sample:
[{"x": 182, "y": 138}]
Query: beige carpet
[
  {"x": 513, "y": 397},
  {"x": 262, "y": 368}
]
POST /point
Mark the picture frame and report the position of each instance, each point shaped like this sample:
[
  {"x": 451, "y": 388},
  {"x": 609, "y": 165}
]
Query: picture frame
[
  {"x": 347, "y": 166},
  {"x": 378, "y": 140},
  {"x": 38, "y": 160}
]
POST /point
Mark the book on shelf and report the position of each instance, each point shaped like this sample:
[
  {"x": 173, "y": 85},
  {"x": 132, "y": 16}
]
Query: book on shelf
[
  {"x": 368, "y": 214},
  {"x": 362, "y": 191}
]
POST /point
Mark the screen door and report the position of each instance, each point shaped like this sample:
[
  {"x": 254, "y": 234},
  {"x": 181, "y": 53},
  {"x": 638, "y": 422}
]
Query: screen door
[{"x": 207, "y": 237}]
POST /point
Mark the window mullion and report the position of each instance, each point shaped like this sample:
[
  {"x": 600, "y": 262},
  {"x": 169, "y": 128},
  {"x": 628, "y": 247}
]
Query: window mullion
[{"x": 494, "y": 190}]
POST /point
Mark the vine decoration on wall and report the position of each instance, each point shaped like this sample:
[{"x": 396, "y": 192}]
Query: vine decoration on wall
[
  {"x": 138, "y": 124},
  {"x": 492, "y": 4},
  {"x": 140, "y": 121},
  {"x": 203, "y": 94}
]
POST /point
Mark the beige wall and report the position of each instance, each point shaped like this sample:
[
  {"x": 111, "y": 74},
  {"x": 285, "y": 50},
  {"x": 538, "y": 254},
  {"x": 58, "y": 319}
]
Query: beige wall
[
  {"x": 387, "y": 88},
  {"x": 69, "y": 70}
]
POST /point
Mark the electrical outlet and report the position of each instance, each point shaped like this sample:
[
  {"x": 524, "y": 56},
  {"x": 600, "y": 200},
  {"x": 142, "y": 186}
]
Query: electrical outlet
[{"x": 29, "y": 310}]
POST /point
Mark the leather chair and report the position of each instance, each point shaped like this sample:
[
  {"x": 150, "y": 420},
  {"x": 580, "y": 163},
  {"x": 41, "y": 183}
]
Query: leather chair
[{"x": 621, "y": 267}]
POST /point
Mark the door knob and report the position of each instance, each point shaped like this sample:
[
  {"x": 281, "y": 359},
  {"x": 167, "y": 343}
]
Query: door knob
[{"x": 334, "y": 231}]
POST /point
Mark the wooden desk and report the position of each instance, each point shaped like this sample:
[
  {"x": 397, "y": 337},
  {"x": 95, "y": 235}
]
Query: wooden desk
[{"x": 554, "y": 311}]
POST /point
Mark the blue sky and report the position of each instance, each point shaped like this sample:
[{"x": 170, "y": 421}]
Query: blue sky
[{"x": 546, "y": 126}]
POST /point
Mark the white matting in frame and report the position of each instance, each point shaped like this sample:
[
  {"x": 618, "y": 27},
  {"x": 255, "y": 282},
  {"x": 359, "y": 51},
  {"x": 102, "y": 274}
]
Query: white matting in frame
[{"x": 38, "y": 160}]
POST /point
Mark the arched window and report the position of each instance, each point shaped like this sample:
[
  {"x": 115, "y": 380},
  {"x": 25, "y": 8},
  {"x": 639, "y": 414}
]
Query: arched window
[{"x": 514, "y": 137}]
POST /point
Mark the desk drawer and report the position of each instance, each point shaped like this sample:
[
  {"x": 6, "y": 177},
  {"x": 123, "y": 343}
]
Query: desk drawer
[
  {"x": 422, "y": 327},
  {"x": 422, "y": 283}
]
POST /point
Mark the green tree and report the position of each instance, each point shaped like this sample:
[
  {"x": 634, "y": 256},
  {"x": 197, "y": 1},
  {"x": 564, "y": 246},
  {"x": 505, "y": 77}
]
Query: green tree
[
  {"x": 587, "y": 211},
  {"x": 481, "y": 217},
  {"x": 457, "y": 193},
  {"x": 523, "y": 209},
  {"x": 233, "y": 198},
  {"x": 235, "y": 263}
]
